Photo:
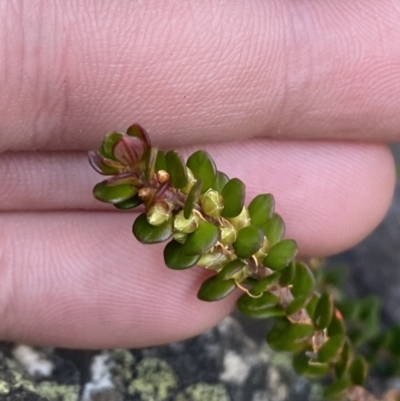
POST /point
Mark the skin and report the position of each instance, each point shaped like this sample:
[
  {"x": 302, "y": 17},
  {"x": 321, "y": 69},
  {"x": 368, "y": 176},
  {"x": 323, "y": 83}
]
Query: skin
[{"x": 294, "y": 98}]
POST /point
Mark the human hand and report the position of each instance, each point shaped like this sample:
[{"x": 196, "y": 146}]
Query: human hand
[{"x": 195, "y": 74}]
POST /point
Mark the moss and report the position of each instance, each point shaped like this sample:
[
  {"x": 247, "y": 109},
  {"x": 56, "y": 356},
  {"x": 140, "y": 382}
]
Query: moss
[
  {"x": 154, "y": 381},
  {"x": 58, "y": 392},
  {"x": 204, "y": 392},
  {"x": 124, "y": 362},
  {"x": 4, "y": 387}
]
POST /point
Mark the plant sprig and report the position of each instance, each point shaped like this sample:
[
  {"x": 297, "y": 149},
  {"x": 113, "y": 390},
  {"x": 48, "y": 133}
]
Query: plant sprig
[{"x": 201, "y": 213}]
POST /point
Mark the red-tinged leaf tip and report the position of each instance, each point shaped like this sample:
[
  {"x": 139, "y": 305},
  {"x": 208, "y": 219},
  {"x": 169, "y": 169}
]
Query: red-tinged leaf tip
[
  {"x": 138, "y": 131},
  {"x": 129, "y": 150}
]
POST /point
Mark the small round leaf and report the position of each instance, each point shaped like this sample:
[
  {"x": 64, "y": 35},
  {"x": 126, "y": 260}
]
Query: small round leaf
[
  {"x": 203, "y": 168},
  {"x": 261, "y": 209},
  {"x": 160, "y": 162},
  {"x": 137, "y": 131},
  {"x": 176, "y": 259},
  {"x": 103, "y": 165},
  {"x": 343, "y": 365},
  {"x": 308, "y": 368},
  {"x": 214, "y": 289},
  {"x": 220, "y": 180},
  {"x": 107, "y": 147},
  {"x": 274, "y": 229},
  {"x": 231, "y": 268},
  {"x": 281, "y": 254},
  {"x": 287, "y": 274},
  {"x": 264, "y": 313},
  {"x": 331, "y": 348},
  {"x": 191, "y": 199},
  {"x": 297, "y": 304},
  {"x": 337, "y": 388},
  {"x": 201, "y": 240},
  {"x": 337, "y": 325},
  {"x": 303, "y": 282},
  {"x": 113, "y": 193},
  {"x": 358, "y": 371},
  {"x": 149, "y": 234},
  {"x": 129, "y": 203},
  {"x": 312, "y": 304},
  {"x": 323, "y": 312},
  {"x": 176, "y": 169},
  {"x": 233, "y": 193},
  {"x": 249, "y": 241},
  {"x": 249, "y": 305},
  {"x": 285, "y": 336},
  {"x": 265, "y": 283}
]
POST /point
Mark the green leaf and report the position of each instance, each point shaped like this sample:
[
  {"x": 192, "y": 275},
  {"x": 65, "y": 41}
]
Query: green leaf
[
  {"x": 201, "y": 240},
  {"x": 265, "y": 283},
  {"x": 233, "y": 193},
  {"x": 148, "y": 234},
  {"x": 176, "y": 169},
  {"x": 137, "y": 131},
  {"x": 105, "y": 192},
  {"x": 336, "y": 326},
  {"x": 281, "y": 254},
  {"x": 274, "y": 229},
  {"x": 214, "y": 289},
  {"x": 308, "y": 368},
  {"x": 266, "y": 312},
  {"x": 285, "y": 336},
  {"x": 312, "y": 304},
  {"x": 287, "y": 274},
  {"x": 220, "y": 180},
  {"x": 323, "y": 312},
  {"x": 343, "y": 365},
  {"x": 129, "y": 203},
  {"x": 358, "y": 371},
  {"x": 303, "y": 282},
  {"x": 191, "y": 199},
  {"x": 160, "y": 161},
  {"x": 393, "y": 343},
  {"x": 261, "y": 209},
  {"x": 231, "y": 268},
  {"x": 337, "y": 388},
  {"x": 249, "y": 305},
  {"x": 203, "y": 168},
  {"x": 107, "y": 147},
  {"x": 297, "y": 304},
  {"x": 331, "y": 348},
  {"x": 103, "y": 165},
  {"x": 176, "y": 259},
  {"x": 249, "y": 240}
]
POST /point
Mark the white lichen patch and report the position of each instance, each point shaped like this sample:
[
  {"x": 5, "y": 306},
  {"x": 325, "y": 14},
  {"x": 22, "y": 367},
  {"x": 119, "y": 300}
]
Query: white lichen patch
[
  {"x": 236, "y": 368},
  {"x": 34, "y": 363},
  {"x": 101, "y": 376}
]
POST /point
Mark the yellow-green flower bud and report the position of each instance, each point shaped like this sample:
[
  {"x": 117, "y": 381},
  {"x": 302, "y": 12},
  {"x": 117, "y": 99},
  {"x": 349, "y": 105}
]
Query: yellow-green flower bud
[
  {"x": 243, "y": 220},
  {"x": 212, "y": 203},
  {"x": 214, "y": 260},
  {"x": 159, "y": 213},
  {"x": 179, "y": 237},
  {"x": 228, "y": 233},
  {"x": 186, "y": 225},
  {"x": 263, "y": 251},
  {"x": 190, "y": 182}
]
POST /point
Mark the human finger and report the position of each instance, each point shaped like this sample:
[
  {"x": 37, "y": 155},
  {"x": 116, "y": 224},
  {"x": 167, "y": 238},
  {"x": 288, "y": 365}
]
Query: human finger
[{"x": 198, "y": 71}]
